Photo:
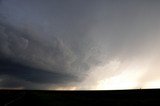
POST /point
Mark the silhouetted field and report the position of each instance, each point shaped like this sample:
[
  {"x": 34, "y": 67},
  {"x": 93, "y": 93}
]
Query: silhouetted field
[{"x": 59, "y": 98}]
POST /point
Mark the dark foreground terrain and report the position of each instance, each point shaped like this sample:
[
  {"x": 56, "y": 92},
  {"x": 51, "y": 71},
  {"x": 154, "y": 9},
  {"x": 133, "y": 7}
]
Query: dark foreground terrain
[{"x": 65, "y": 98}]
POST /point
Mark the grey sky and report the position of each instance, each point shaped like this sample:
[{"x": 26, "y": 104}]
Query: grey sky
[{"x": 50, "y": 43}]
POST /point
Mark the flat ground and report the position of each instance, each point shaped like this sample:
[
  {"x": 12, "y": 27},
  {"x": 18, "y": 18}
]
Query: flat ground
[{"x": 63, "y": 98}]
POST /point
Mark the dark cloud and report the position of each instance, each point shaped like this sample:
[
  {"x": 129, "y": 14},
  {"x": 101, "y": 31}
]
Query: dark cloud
[
  {"x": 33, "y": 61},
  {"x": 27, "y": 62},
  {"x": 34, "y": 57},
  {"x": 32, "y": 74}
]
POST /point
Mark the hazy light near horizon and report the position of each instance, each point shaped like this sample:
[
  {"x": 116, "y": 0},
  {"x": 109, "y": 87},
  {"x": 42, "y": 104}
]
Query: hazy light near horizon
[
  {"x": 138, "y": 73},
  {"x": 117, "y": 75}
]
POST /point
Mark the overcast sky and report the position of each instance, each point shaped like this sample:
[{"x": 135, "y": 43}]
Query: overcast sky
[{"x": 79, "y": 44}]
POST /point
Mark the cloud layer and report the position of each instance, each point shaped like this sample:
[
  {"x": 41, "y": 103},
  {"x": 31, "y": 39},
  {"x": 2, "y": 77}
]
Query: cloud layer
[
  {"x": 35, "y": 57},
  {"x": 77, "y": 43}
]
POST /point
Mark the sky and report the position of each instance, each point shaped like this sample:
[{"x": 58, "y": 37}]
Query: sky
[{"x": 79, "y": 44}]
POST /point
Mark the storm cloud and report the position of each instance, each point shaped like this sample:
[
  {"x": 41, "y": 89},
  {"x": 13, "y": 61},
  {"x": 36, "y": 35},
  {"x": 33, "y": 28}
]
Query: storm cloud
[
  {"x": 77, "y": 43},
  {"x": 47, "y": 49}
]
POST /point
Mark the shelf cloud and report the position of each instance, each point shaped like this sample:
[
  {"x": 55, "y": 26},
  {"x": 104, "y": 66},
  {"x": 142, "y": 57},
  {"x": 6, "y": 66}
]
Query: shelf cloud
[{"x": 79, "y": 44}]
